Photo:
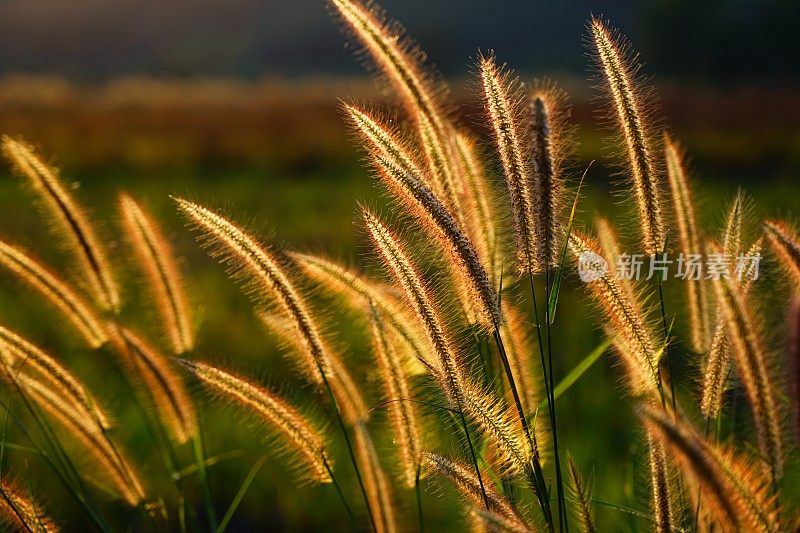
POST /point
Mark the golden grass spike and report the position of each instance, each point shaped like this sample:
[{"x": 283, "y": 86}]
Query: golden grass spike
[
  {"x": 402, "y": 67},
  {"x": 466, "y": 397},
  {"x": 381, "y": 139},
  {"x": 609, "y": 243},
  {"x": 751, "y": 363},
  {"x": 71, "y": 218},
  {"x": 479, "y": 213},
  {"x": 156, "y": 256},
  {"x": 466, "y": 482},
  {"x": 635, "y": 138},
  {"x": 634, "y": 338},
  {"x": 489, "y": 522},
  {"x": 351, "y": 403},
  {"x": 520, "y": 352},
  {"x": 395, "y": 389},
  {"x": 262, "y": 273},
  {"x": 715, "y": 375},
  {"x": 734, "y": 222},
  {"x": 110, "y": 462},
  {"x": 169, "y": 394},
  {"x": 20, "y": 512},
  {"x": 582, "y": 496},
  {"x": 503, "y": 102},
  {"x": 466, "y": 265},
  {"x": 56, "y": 291},
  {"x": 25, "y": 356},
  {"x": 786, "y": 245},
  {"x": 734, "y": 493},
  {"x": 661, "y": 501},
  {"x": 379, "y": 494},
  {"x": 358, "y": 291},
  {"x": 718, "y": 361},
  {"x": 689, "y": 242},
  {"x": 303, "y": 441},
  {"x": 548, "y": 146}
]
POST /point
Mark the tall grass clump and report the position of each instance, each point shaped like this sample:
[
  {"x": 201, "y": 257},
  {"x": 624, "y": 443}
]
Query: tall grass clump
[{"x": 425, "y": 374}]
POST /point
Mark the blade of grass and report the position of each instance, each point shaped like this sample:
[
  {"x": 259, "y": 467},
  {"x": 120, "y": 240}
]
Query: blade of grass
[
  {"x": 552, "y": 301},
  {"x": 580, "y": 369},
  {"x": 240, "y": 495}
]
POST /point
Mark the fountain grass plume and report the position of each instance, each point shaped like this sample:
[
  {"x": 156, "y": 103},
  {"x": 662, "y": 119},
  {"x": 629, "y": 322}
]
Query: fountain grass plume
[
  {"x": 83, "y": 242},
  {"x": 630, "y": 116},
  {"x": 689, "y": 242},
  {"x": 157, "y": 258},
  {"x": 56, "y": 291},
  {"x": 300, "y": 440},
  {"x": 402, "y": 412}
]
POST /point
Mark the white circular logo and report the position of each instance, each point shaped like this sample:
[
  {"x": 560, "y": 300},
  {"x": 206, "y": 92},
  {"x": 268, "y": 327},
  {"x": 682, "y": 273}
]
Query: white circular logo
[{"x": 591, "y": 266}]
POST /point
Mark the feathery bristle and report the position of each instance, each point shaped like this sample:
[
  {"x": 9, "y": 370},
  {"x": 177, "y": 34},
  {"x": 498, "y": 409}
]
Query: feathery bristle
[
  {"x": 347, "y": 395},
  {"x": 793, "y": 366},
  {"x": 734, "y": 225},
  {"x": 56, "y": 291},
  {"x": 582, "y": 495},
  {"x": 634, "y": 339},
  {"x": 173, "y": 404},
  {"x": 358, "y": 291},
  {"x": 609, "y": 243},
  {"x": 689, "y": 242},
  {"x": 155, "y": 254},
  {"x": 548, "y": 182},
  {"x": 70, "y": 217},
  {"x": 381, "y": 139},
  {"x": 109, "y": 461},
  {"x": 466, "y": 482},
  {"x": 24, "y": 355},
  {"x": 715, "y": 374},
  {"x": 751, "y": 363},
  {"x": 520, "y": 353},
  {"x": 261, "y": 272},
  {"x": 733, "y": 492},
  {"x": 502, "y": 100},
  {"x": 379, "y": 495},
  {"x": 786, "y": 245},
  {"x": 396, "y": 391},
  {"x": 490, "y": 522},
  {"x": 492, "y": 417},
  {"x": 403, "y": 69},
  {"x": 21, "y": 513},
  {"x": 660, "y": 495},
  {"x": 303, "y": 441},
  {"x": 467, "y": 267},
  {"x": 636, "y": 140},
  {"x": 478, "y": 211}
]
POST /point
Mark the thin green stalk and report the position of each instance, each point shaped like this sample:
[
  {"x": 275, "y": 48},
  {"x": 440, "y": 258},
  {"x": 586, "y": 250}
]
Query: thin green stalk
[
  {"x": 350, "y": 452},
  {"x": 82, "y": 499},
  {"x": 562, "y": 504},
  {"x": 340, "y": 493},
  {"x": 544, "y": 500},
  {"x": 240, "y": 494},
  {"x": 197, "y": 445}
]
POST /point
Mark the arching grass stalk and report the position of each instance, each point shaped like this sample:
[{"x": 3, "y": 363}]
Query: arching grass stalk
[
  {"x": 562, "y": 505},
  {"x": 548, "y": 392},
  {"x": 339, "y": 492}
]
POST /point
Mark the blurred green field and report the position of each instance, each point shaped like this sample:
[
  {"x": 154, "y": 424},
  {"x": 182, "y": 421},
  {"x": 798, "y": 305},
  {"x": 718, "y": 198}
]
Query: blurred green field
[{"x": 295, "y": 180}]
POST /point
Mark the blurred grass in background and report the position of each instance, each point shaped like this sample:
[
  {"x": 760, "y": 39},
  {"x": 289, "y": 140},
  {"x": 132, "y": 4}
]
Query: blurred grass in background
[{"x": 278, "y": 155}]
